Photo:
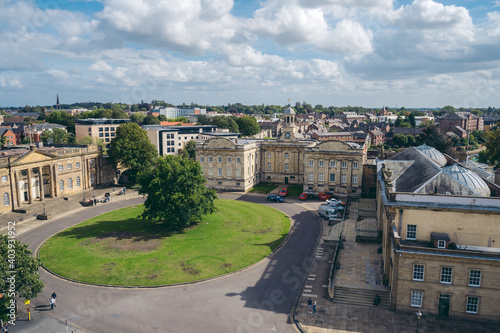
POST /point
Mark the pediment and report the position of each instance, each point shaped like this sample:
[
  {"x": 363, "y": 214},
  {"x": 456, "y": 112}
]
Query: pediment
[{"x": 32, "y": 157}]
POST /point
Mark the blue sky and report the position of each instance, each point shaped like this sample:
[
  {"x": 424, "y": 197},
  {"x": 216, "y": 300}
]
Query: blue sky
[{"x": 330, "y": 52}]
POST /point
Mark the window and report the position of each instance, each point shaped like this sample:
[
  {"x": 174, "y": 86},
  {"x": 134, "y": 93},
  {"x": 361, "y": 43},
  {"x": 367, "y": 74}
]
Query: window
[
  {"x": 354, "y": 179},
  {"x": 70, "y": 183},
  {"x": 310, "y": 177},
  {"x": 78, "y": 181},
  {"x": 332, "y": 164},
  {"x": 474, "y": 278},
  {"x": 101, "y": 135},
  {"x": 77, "y": 165},
  {"x": 90, "y": 129},
  {"x": 411, "y": 231},
  {"x": 268, "y": 166},
  {"x": 210, "y": 158},
  {"x": 113, "y": 134},
  {"x": 287, "y": 167},
  {"x": 321, "y": 163},
  {"x": 4, "y": 179},
  {"x": 416, "y": 298},
  {"x": 107, "y": 139},
  {"x": 101, "y": 129},
  {"x": 112, "y": 128},
  {"x": 238, "y": 172},
  {"x": 311, "y": 163},
  {"x": 343, "y": 179},
  {"x": 238, "y": 160},
  {"x": 268, "y": 154},
  {"x": 219, "y": 172},
  {"x": 6, "y": 199},
  {"x": 344, "y": 164},
  {"x": 418, "y": 272},
  {"x": 219, "y": 159},
  {"x": 70, "y": 166},
  {"x": 91, "y": 178},
  {"x": 106, "y": 129},
  {"x": 229, "y": 160},
  {"x": 60, "y": 168},
  {"x": 332, "y": 177},
  {"x": 61, "y": 185},
  {"x": 354, "y": 165},
  {"x": 106, "y": 135},
  {"x": 210, "y": 172},
  {"x": 286, "y": 155},
  {"x": 441, "y": 244},
  {"x": 446, "y": 275},
  {"x": 229, "y": 172},
  {"x": 472, "y": 304},
  {"x": 202, "y": 159},
  {"x": 320, "y": 177}
]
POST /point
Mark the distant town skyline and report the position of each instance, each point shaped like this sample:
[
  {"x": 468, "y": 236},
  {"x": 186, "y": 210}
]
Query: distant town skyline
[{"x": 370, "y": 53}]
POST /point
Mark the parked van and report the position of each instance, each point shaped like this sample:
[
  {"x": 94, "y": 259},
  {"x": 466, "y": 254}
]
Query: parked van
[{"x": 327, "y": 211}]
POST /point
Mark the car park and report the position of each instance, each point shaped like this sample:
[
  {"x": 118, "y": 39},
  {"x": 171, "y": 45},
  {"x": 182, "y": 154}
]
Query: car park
[
  {"x": 283, "y": 192},
  {"x": 275, "y": 198}
]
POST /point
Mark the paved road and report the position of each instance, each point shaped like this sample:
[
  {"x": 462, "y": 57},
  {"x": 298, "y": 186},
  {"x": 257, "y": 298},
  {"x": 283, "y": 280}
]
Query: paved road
[{"x": 257, "y": 299}]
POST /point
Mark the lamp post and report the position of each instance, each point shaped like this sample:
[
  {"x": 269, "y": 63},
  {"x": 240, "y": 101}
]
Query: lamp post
[
  {"x": 419, "y": 315},
  {"x": 43, "y": 202}
]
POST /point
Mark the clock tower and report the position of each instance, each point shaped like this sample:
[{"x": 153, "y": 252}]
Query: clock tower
[{"x": 288, "y": 131}]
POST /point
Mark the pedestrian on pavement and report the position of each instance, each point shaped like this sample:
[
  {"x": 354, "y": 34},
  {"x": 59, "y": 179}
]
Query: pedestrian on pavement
[
  {"x": 95, "y": 202},
  {"x": 314, "y": 306},
  {"x": 309, "y": 305},
  {"x": 52, "y": 303},
  {"x": 54, "y": 296},
  {"x": 5, "y": 328}
]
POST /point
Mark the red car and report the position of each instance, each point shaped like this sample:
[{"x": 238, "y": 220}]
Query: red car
[
  {"x": 324, "y": 196},
  {"x": 303, "y": 196},
  {"x": 283, "y": 192}
]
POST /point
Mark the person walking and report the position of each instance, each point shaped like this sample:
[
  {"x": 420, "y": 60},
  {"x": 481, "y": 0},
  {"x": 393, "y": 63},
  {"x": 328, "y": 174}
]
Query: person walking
[
  {"x": 309, "y": 305},
  {"x": 95, "y": 201},
  {"x": 54, "y": 296},
  {"x": 52, "y": 303},
  {"x": 314, "y": 306}
]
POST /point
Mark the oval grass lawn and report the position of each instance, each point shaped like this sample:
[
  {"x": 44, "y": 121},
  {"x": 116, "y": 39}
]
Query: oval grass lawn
[{"x": 117, "y": 248}]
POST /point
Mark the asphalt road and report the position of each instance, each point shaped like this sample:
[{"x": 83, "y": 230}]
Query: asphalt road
[{"x": 257, "y": 299}]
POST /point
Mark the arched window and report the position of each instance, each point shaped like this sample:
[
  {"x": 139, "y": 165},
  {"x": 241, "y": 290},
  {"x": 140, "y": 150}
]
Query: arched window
[
  {"x": 77, "y": 181},
  {"x": 6, "y": 199},
  {"x": 70, "y": 183},
  {"x": 61, "y": 185}
]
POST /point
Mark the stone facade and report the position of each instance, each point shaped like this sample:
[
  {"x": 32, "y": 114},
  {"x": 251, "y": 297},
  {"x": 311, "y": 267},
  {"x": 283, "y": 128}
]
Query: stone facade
[
  {"x": 456, "y": 277},
  {"x": 331, "y": 166},
  {"x": 48, "y": 172}
]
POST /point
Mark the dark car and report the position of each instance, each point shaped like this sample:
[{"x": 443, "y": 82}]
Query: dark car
[{"x": 275, "y": 198}]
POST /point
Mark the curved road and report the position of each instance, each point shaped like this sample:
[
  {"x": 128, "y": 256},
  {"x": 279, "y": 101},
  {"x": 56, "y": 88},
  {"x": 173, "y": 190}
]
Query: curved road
[{"x": 257, "y": 299}]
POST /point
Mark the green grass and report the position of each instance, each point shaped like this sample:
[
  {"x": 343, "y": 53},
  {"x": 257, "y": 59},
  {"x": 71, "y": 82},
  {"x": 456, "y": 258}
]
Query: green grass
[
  {"x": 116, "y": 248},
  {"x": 295, "y": 190},
  {"x": 263, "y": 188}
]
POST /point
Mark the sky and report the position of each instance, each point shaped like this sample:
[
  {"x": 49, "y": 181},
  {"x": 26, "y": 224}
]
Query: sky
[{"x": 371, "y": 53}]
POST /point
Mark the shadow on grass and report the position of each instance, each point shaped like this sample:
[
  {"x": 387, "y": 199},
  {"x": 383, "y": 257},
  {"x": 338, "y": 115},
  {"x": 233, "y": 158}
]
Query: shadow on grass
[
  {"x": 133, "y": 228},
  {"x": 274, "y": 244}
]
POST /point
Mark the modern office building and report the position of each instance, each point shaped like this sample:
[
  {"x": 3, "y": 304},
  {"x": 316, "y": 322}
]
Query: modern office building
[{"x": 101, "y": 128}]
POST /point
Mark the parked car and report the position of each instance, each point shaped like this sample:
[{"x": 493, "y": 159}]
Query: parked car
[
  {"x": 327, "y": 212},
  {"x": 303, "y": 196},
  {"x": 283, "y": 192},
  {"x": 275, "y": 198},
  {"x": 324, "y": 196}
]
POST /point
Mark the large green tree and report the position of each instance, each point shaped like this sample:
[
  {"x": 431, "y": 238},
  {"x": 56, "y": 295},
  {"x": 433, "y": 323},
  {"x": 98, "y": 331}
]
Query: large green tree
[
  {"x": 248, "y": 125},
  {"x": 132, "y": 149},
  {"x": 438, "y": 139},
  {"x": 56, "y": 135},
  {"x": 18, "y": 272},
  {"x": 176, "y": 192},
  {"x": 492, "y": 144}
]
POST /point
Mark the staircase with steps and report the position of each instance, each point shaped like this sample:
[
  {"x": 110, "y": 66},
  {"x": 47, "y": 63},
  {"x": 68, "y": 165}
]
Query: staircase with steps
[{"x": 361, "y": 297}]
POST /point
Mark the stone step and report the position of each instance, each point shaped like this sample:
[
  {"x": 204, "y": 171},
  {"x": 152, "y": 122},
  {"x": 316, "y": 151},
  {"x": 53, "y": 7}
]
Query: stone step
[{"x": 361, "y": 297}]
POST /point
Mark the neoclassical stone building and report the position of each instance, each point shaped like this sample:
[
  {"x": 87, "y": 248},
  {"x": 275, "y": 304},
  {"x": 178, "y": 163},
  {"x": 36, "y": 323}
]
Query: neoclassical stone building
[
  {"x": 30, "y": 174},
  {"x": 240, "y": 164}
]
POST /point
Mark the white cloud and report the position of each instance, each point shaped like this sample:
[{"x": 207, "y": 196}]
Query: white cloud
[{"x": 100, "y": 66}]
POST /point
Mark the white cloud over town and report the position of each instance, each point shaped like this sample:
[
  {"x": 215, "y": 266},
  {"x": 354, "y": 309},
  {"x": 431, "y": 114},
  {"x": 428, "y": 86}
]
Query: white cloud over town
[{"x": 331, "y": 52}]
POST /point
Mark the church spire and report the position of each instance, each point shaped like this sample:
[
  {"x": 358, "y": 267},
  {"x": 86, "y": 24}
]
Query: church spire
[{"x": 58, "y": 106}]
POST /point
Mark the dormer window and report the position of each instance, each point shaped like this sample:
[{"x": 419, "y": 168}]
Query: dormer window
[
  {"x": 441, "y": 244},
  {"x": 440, "y": 240}
]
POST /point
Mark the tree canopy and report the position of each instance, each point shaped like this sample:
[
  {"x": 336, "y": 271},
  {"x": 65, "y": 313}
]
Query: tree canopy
[
  {"x": 15, "y": 257},
  {"x": 132, "y": 149},
  {"x": 438, "y": 139},
  {"x": 492, "y": 144},
  {"x": 176, "y": 192},
  {"x": 56, "y": 135},
  {"x": 248, "y": 125}
]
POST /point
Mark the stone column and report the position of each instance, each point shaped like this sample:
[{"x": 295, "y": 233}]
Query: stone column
[
  {"x": 16, "y": 189},
  {"x": 55, "y": 183},
  {"x": 40, "y": 181},
  {"x": 30, "y": 194}
]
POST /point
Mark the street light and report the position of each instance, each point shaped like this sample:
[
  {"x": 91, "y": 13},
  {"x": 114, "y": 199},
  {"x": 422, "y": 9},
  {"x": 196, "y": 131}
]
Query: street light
[
  {"x": 43, "y": 202},
  {"x": 419, "y": 315}
]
